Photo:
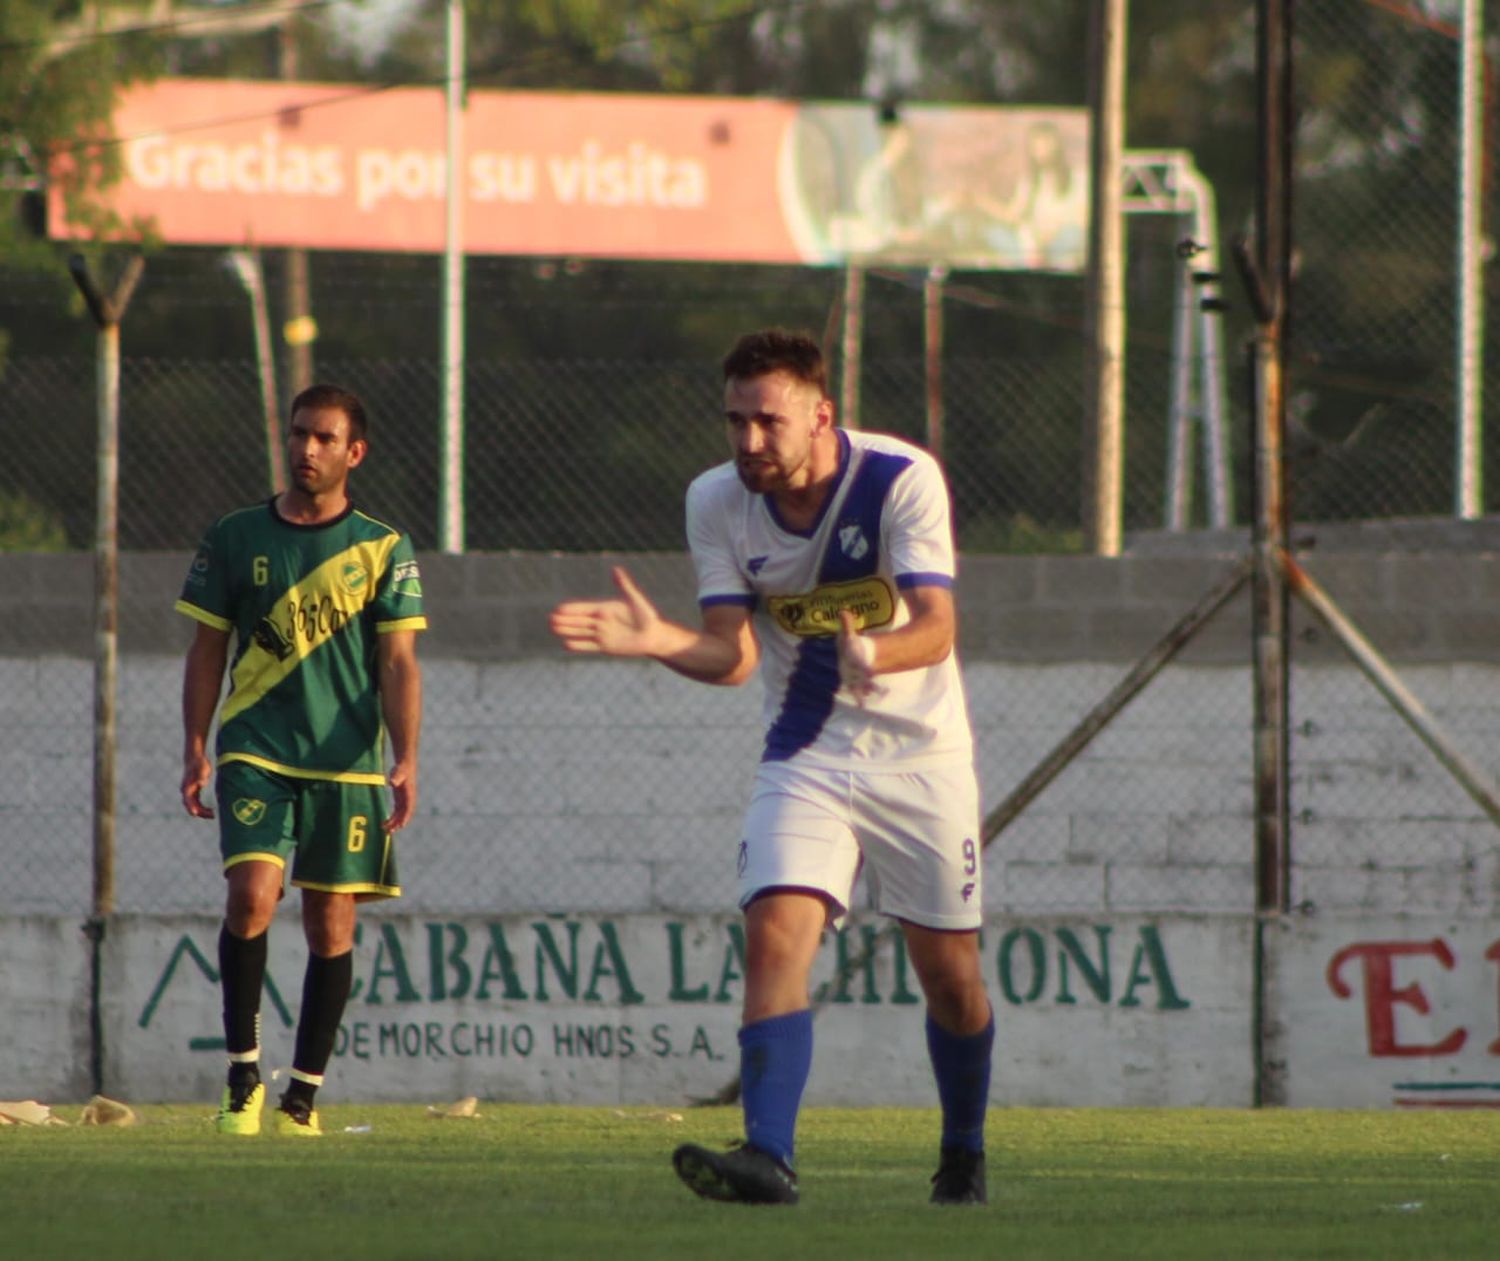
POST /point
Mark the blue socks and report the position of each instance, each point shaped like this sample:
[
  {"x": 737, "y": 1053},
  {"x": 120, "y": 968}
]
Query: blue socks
[
  {"x": 962, "y": 1068},
  {"x": 775, "y": 1059}
]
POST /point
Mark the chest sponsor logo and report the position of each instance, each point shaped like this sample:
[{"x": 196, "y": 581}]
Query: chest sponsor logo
[
  {"x": 817, "y": 612},
  {"x": 756, "y": 563},
  {"x": 268, "y": 638},
  {"x": 321, "y": 606}
]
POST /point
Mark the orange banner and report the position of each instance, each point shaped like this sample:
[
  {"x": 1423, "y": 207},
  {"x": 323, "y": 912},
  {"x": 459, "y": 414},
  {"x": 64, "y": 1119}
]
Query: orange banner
[{"x": 215, "y": 162}]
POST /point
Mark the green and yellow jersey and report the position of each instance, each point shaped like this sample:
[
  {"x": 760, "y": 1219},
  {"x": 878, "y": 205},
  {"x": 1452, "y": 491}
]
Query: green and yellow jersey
[{"x": 305, "y": 603}]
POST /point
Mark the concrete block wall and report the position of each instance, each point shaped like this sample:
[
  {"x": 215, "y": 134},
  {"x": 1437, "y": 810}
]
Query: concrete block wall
[{"x": 551, "y": 783}]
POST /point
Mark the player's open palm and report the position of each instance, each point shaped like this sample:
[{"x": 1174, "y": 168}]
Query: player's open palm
[{"x": 625, "y": 627}]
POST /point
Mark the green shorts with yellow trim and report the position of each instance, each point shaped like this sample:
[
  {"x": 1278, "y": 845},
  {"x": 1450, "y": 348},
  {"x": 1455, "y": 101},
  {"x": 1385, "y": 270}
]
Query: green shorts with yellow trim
[{"x": 335, "y": 828}]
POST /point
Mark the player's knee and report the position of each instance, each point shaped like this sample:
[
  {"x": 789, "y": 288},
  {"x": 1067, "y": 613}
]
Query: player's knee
[
  {"x": 248, "y": 912},
  {"x": 957, "y": 999},
  {"x": 328, "y": 940},
  {"x": 770, "y": 952}
]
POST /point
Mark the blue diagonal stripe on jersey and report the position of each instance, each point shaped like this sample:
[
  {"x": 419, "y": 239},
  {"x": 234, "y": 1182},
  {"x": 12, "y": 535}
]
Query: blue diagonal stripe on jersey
[{"x": 815, "y": 676}]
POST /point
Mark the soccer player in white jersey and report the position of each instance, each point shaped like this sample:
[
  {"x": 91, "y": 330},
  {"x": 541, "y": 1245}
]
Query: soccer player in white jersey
[{"x": 830, "y": 554}]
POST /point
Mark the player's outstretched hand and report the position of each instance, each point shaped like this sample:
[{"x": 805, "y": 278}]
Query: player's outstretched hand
[
  {"x": 623, "y": 627},
  {"x": 196, "y": 772},
  {"x": 403, "y": 782},
  {"x": 856, "y": 660}
]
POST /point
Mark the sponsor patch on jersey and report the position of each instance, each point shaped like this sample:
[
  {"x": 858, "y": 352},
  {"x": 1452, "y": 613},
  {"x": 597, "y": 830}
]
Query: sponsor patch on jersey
[
  {"x": 249, "y": 811},
  {"x": 407, "y": 578},
  {"x": 817, "y": 612},
  {"x": 198, "y": 570}
]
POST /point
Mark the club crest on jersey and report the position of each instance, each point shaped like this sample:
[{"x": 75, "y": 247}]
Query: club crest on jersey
[
  {"x": 249, "y": 811},
  {"x": 353, "y": 577},
  {"x": 853, "y": 542}
]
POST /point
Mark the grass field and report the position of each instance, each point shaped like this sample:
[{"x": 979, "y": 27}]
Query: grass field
[{"x": 524, "y": 1181}]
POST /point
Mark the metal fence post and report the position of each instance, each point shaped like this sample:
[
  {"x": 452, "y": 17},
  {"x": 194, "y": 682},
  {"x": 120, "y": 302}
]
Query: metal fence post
[
  {"x": 107, "y": 313},
  {"x": 1267, "y": 274},
  {"x": 853, "y": 341},
  {"x": 932, "y": 339}
]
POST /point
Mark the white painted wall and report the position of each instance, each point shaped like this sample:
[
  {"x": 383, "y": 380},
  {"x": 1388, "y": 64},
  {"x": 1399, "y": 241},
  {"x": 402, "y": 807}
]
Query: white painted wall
[
  {"x": 578, "y": 786},
  {"x": 586, "y": 1009},
  {"x": 1372, "y": 1011}
]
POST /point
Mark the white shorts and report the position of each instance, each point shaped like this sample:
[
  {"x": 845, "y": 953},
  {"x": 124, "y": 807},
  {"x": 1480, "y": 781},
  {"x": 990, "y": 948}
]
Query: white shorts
[{"x": 917, "y": 832}]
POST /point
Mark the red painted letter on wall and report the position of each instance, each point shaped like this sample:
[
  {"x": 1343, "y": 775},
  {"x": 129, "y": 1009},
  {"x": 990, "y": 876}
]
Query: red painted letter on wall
[{"x": 1381, "y": 994}]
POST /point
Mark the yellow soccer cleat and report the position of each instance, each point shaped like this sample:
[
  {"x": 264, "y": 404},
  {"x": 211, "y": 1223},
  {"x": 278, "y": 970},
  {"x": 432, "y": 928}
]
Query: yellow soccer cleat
[
  {"x": 239, "y": 1109},
  {"x": 298, "y": 1122}
]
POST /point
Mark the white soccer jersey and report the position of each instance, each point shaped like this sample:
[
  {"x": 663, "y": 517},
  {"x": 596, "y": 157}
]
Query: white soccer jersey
[{"x": 884, "y": 528}]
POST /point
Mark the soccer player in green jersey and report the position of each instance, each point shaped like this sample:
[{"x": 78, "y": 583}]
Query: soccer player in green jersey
[{"x": 323, "y": 604}]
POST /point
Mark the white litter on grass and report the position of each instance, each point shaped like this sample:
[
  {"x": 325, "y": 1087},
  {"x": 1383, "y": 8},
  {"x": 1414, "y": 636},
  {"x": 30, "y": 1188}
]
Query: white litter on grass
[
  {"x": 357, "y": 1129},
  {"x": 103, "y": 1111},
  {"x": 28, "y": 1112},
  {"x": 1411, "y": 1206}
]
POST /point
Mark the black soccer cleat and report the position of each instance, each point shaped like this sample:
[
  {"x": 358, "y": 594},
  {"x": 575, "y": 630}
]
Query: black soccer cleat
[
  {"x": 960, "y": 1178},
  {"x": 742, "y": 1175}
]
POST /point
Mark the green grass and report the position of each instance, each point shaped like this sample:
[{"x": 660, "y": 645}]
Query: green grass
[{"x": 526, "y": 1181}]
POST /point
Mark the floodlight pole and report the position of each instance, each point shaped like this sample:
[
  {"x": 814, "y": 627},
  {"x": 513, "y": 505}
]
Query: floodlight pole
[{"x": 107, "y": 312}]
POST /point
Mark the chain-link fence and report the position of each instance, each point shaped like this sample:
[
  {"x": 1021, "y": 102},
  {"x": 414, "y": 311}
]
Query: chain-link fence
[
  {"x": 560, "y": 785},
  {"x": 581, "y": 453},
  {"x": 1374, "y": 430},
  {"x": 1373, "y": 395},
  {"x": 554, "y": 785}
]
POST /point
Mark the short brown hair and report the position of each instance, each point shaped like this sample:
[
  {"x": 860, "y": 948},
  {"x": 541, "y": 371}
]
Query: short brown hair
[
  {"x": 778, "y": 350},
  {"x": 335, "y": 398}
]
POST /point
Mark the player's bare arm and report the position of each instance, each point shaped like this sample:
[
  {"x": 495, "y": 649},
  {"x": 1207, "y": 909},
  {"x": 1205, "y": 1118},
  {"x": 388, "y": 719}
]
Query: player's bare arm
[
  {"x": 202, "y": 677},
  {"x": 401, "y": 708},
  {"x": 925, "y": 640},
  {"x": 723, "y": 651}
]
